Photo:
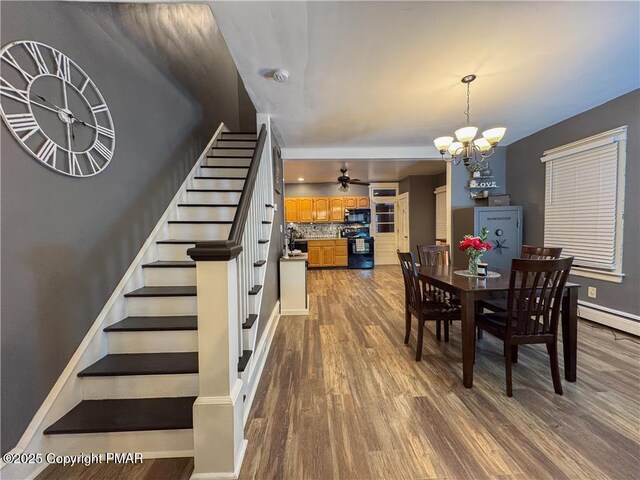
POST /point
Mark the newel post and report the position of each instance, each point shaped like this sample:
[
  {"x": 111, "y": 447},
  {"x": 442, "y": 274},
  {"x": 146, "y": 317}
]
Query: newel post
[{"x": 218, "y": 428}]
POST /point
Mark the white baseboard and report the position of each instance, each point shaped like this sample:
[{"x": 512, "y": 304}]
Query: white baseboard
[
  {"x": 260, "y": 355},
  {"x": 67, "y": 392},
  {"x": 225, "y": 476},
  {"x": 296, "y": 311},
  {"x": 623, "y": 321}
]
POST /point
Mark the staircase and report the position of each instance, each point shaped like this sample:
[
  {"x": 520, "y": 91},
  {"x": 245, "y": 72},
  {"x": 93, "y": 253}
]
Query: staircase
[{"x": 139, "y": 397}]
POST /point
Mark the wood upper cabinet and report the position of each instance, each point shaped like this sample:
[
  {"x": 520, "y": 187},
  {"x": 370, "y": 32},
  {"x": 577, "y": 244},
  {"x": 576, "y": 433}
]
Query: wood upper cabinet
[
  {"x": 363, "y": 202},
  {"x": 305, "y": 210},
  {"x": 322, "y": 209},
  {"x": 350, "y": 202},
  {"x": 291, "y": 209},
  {"x": 337, "y": 209}
]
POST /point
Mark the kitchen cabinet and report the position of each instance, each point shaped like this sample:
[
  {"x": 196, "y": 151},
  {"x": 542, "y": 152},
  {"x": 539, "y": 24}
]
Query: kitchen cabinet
[
  {"x": 322, "y": 210},
  {"x": 337, "y": 209},
  {"x": 363, "y": 202},
  {"x": 350, "y": 202},
  {"x": 291, "y": 209},
  {"x": 305, "y": 210},
  {"x": 327, "y": 253}
]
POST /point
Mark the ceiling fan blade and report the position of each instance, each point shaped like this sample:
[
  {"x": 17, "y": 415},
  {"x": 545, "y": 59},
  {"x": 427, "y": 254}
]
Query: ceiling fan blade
[{"x": 358, "y": 182}]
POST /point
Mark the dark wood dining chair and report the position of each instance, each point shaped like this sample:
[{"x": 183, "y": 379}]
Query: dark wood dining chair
[
  {"x": 533, "y": 311},
  {"x": 418, "y": 306},
  {"x": 430, "y": 256},
  {"x": 500, "y": 304}
]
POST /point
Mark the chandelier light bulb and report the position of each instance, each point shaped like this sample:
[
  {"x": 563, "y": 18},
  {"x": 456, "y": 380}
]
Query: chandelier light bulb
[
  {"x": 494, "y": 135},
  {"x": 466, "y": 134},
  {"x": 482, "y": 144},
  {"x": 454, "y": 148},
  {"x": 443, "y": 143}
]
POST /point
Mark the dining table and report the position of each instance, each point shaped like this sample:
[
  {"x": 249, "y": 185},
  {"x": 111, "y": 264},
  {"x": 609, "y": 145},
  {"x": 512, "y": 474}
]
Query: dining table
[{"x": 469, "y": 290}]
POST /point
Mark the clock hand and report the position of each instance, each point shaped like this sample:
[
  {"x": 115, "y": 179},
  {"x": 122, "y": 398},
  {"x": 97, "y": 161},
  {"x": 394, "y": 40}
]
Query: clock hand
[
  {"x": 33, "y": 102},
  {"x": 47, "y": 101}
]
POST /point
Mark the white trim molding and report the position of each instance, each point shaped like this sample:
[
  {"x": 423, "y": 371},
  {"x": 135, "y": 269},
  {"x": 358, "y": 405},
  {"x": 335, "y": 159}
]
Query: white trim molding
[
  {"x": 626, "y": 322},
  {"x": 365, "y": 153}
]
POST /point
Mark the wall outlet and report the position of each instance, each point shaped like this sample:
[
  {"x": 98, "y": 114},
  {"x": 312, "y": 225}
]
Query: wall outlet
[{"x": 591, "y": 292}]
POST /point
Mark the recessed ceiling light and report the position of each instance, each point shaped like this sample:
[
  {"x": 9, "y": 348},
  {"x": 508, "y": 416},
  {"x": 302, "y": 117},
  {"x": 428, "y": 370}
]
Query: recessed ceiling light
[{"x": 301, "y": 179}]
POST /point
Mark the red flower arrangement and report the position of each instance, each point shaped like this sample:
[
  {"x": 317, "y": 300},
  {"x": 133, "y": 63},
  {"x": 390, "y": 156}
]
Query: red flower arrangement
[{"x": 474, "y": 247}]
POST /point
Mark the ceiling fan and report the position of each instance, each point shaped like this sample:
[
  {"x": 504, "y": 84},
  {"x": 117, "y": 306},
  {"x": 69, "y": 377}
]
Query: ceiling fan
[{"x": 344, "y": 180}]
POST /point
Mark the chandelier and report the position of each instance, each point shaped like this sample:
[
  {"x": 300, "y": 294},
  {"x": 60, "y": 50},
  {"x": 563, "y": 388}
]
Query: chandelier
[{"x": 467, "y": 149}]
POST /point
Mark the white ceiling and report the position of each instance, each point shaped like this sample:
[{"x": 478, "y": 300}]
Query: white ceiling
[
  {"x": 367, "y": 170},
  {"x": 387, "y": 73}
]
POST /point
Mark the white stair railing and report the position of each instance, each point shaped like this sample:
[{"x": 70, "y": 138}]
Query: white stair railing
[{"x": 226, "y": 275}]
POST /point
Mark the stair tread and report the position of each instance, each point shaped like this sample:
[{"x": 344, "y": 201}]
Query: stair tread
[
  {"x": 255, "y": 289},
  {"x": 233, "y": 148},
  {"x": 244, "y": 360},
  {"x": 225, "y": 166},
  {"x": 216, "y": 205},
  {"x": 200, "y": 177},
  {"x": 186, "y": 291},
  {"x": 187, "y": 242},
  {"x": 150, "y": 324},
  {"x": 171, "y": 264},
  {"x": 263, "y": 241},
  {"x": 233, "y": 157},
  {"x": 238, "y": 133},
  {"x": 219, "y": 190},
  {"x": 142, "y": 364},
  {"x": 248, "y": 323},
  {"x": 259, "y": 263},
  {"x": 126, "y": 415},
  {"x": 216, "y": 222},
  {"x": 266, "y": 222}
]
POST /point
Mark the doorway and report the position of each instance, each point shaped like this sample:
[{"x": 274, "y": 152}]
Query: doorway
[{"x": 403, "y": 223}]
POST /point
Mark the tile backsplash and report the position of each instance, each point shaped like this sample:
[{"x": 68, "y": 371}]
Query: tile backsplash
[{"x": 317, "y": 230}]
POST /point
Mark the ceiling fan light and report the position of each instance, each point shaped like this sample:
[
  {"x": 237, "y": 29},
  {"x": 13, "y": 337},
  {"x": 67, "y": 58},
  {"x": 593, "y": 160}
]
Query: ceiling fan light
[
  {"x": 443, "y": 143},
  {"x": 344, "y": 187},
  {"x": 494, "y": 135},
  {"x": 454, "y": 148},
  {"x": 482, "y": 144},
  {"x": 466, "y": 134}
]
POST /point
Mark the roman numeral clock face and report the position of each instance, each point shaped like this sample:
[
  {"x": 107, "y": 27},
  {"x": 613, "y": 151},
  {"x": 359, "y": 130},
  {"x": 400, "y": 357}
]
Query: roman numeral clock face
[{"x": 54, "y": 109}]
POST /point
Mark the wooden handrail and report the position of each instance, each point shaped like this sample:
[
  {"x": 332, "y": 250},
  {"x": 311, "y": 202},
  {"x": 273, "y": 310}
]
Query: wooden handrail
[{"x": 224, "y": 250}]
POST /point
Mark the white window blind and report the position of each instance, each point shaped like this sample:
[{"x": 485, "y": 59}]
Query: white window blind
[{"x": 583, "y": 200}]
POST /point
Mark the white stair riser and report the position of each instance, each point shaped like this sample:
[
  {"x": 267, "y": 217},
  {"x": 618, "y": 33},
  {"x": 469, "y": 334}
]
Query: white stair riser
[
  {"x": 212, "y": 197},
  {"x": 237, "y": 143},
  {"x": 206, "y": 213},
  {"x": 238, "y": 136},
  {"x": 211, "y": 183},
  {"x": 152, "y": 444},
  {"x": 199, "y": 231},
  {"x": 174, "y": 251},
  {"x": 169, "y": 277},
  {"x": 161, "y": 306},
  {"x": 223, "y": 172},
  {"x": 236, "y": 162},
  {"x": 140, "y": 386},
  {"x": 153, "y": 342},
  {"x": 232, "y": 152}
]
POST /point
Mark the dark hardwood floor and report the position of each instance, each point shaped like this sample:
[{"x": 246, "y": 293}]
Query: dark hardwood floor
[{"x": 342, "y": 397}]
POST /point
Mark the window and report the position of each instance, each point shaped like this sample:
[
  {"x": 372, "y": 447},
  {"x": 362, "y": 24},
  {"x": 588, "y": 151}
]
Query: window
[{"x": 584, "y": 203}]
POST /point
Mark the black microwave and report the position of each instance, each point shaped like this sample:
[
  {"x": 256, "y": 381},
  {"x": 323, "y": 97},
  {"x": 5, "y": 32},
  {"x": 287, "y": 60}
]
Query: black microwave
[{"x": 358, "y": 215}]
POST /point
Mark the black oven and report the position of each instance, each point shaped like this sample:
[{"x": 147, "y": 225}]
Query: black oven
[
  {"x": 360, "y": 252},
  {"x": 358, "y": 215}
]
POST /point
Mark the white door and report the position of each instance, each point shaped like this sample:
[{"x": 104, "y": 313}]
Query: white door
[
  {"x": 383, "y": 222},
  {"x": 441, "y": 214},
  {"x": 403, "y": 223}
]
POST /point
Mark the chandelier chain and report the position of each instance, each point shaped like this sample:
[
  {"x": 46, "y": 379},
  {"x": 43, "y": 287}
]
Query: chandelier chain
[{"x": 467, "y": 111}]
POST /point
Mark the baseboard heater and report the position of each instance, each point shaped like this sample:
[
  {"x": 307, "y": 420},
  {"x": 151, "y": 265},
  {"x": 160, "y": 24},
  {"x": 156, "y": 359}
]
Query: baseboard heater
[{"x": 623, "y": 321}]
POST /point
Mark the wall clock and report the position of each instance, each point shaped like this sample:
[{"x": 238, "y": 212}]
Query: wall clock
[{"x": 54, "y": 109}]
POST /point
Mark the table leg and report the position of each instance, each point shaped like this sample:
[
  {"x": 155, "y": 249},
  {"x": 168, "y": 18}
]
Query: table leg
[
  {"x": 467, "y": 305},
  {"x": 570, "y": 333}
]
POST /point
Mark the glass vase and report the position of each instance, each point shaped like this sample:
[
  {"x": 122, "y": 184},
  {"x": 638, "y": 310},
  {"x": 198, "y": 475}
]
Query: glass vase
[{"x": 473, "y": 265}]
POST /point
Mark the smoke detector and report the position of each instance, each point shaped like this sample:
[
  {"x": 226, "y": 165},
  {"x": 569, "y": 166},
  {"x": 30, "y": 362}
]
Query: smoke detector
[{"x": 280, "y": 75}]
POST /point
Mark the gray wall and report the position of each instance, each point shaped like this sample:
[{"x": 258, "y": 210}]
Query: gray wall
[
  {"x": 526, "y": 182},
  {"x": 271, "y": 293},
  {"x": 323, "y": 190},
  {"x": 169, "y": 80},
  {"x": 460, "y": 179},
  {"x": 422, "y": 208}
]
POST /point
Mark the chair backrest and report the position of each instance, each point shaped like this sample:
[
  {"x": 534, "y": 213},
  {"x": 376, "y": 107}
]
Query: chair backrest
[
  {"x": 413, "y": 295},
  {"x": 433, "y": 255},
  {"x": 535, "y": 295},
  {"x": 540, "y": 253}
]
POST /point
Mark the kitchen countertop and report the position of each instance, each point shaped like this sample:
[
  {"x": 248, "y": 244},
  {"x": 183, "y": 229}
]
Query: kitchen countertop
[
  {"x": 312, "y": 239},
  {"x": 296, "y": 258}
]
